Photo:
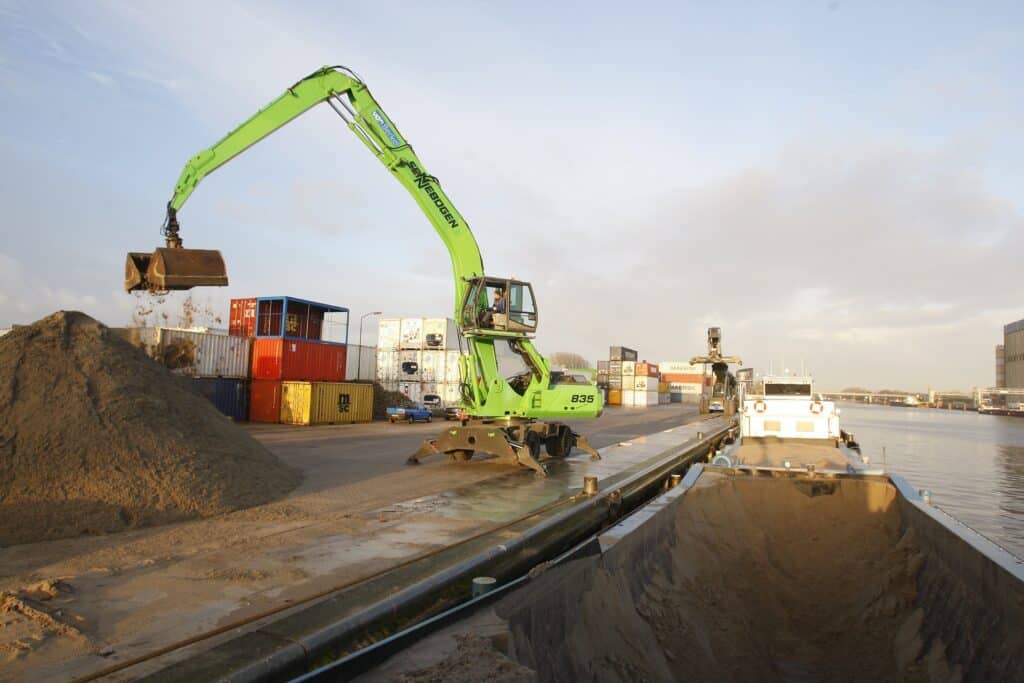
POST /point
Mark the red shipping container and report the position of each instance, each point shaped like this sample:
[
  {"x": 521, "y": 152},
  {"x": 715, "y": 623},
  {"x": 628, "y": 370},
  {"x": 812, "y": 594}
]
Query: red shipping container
[
  {"x": 298, "y": 360},
  {"x": 683, "y": 378},
  {"x": 242, "y": 321},
  {"x": 265, "y": 401}
]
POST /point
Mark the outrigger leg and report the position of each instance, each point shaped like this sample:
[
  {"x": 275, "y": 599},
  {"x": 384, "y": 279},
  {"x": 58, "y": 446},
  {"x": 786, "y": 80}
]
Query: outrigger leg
[
  {"x": 584, "y": 445},
  {"x": 460, "y": 443}
]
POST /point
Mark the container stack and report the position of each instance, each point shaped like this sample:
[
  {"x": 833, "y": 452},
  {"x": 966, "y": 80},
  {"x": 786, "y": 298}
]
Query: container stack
[
  {"x": 420, "y": 358},
  {"x": 685, "y": 380},
  {"x": 629, "y": 381},
  {"x": 299, "y": 361}
]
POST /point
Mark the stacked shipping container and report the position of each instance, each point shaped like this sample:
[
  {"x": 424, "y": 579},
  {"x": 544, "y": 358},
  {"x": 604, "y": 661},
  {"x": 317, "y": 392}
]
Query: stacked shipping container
[
  {"x": 420, "y": 358},
  {"x": 629, "y": 381},
  {"x": 299, "y": 361},
  {"x": 633, "y": 382},
  {"x": 685, "y": 380}
]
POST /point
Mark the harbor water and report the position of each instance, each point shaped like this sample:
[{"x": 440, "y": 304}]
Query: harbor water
[{"x": 972, "y": 464}]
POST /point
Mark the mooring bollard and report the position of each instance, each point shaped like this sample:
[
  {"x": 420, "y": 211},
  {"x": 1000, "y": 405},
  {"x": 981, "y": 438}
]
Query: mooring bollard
[
  {"x": 483, "y": 585},
  {"x": 674, "y": 480},
  {"x": 589, "y": 486}
]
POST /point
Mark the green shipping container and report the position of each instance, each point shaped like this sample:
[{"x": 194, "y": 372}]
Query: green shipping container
[{"x": 315, "y": 403}]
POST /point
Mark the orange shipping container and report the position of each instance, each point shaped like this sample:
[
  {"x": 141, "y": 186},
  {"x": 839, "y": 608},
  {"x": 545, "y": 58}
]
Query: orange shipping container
[
  {"x": 615, "y": 397},
  {"x": 682, "y": 378},
  {"x": 646, "y": 370},
  {"x": 265, "y": 401},
  {"x": 297, "y": 360}
]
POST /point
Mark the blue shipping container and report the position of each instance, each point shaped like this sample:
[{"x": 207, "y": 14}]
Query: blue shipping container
[{"x": 229, "y": 396}]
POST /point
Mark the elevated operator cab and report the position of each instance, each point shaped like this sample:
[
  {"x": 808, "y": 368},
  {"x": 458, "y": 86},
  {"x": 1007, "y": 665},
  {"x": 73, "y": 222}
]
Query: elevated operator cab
[{"x": 511, "y": 314}]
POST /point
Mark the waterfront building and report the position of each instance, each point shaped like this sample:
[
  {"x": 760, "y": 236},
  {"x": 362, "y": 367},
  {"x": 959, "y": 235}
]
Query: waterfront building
[{"x": 1013, "y": 354}]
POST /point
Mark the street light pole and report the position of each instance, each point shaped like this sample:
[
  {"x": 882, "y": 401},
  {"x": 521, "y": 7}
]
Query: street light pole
[{"x": 359, "y": 359}]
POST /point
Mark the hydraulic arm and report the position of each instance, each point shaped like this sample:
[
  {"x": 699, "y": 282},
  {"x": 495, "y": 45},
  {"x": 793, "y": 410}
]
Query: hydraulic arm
[{"x": 503, "y": 413}]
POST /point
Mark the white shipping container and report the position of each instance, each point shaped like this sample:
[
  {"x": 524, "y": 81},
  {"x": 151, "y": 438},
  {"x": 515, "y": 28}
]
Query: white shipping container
[
  {"x": 388, "y": 366},
  {"x": 430, "y": 394},
  {"x": 677, "y": 367},
  {"x": 628, "y": 397},
  {"x": 452, "y": 367},
  {"x": 440, "y": 333},
  {"x": 412, "y": 334},
  {"x": 409, "y": 366},
  {"x": 360, "y": 363},
  {"x": 389, "y": 332},
  {"x": 645, "y": 398},
  {"x": 645, "y": 383},
  {"x": 195, "y": 354},
  {"x": 451, "y": 394},
  {"x": 432, "y": 366},
  {"x": 664, "y": 398},
  {"x": 628, "y": 368},
  {"x": 412, "y": 390}
]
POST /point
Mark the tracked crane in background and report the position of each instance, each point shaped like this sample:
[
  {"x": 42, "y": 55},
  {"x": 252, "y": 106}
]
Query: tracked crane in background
[
  {"x": 724, "y": 388},
  {"x": 509, "y": 418}
]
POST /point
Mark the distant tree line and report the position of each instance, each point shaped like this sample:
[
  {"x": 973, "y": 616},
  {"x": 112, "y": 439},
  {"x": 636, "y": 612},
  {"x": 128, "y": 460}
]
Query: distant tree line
[{"x": 568, "y": 359}]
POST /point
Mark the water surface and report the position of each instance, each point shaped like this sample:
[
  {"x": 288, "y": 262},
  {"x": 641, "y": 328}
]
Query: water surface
[{"x": 973, "y": 464}]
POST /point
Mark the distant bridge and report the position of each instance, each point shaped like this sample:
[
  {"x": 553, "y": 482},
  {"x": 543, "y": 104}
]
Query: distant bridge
[{"x": 935, "y": 399}]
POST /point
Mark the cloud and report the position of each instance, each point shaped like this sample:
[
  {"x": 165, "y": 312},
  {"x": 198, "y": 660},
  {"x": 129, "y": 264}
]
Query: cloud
[
  {"x": 24, "y": 298},
  {"x": 101, "y": 78}
]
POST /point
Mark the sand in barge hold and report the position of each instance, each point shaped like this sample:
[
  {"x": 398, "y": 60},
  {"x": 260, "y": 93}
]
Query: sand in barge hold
[
  {"x": 746, "y": 579},
  {"x": 95, "y": 437}
]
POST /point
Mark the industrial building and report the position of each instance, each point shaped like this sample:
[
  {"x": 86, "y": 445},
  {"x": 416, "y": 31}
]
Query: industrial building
[
  {"x": 1000, "y": 367},
  {"x": 1013, "y": 355}
]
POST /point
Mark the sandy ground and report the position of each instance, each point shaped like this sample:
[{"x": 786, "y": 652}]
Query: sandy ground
[
  {"x": 73, "y": 606},
  {"x": 766, "y": 579}
]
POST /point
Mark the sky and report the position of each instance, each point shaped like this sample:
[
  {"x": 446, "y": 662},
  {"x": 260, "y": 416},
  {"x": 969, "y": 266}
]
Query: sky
[{"x": 837, "y": 185}]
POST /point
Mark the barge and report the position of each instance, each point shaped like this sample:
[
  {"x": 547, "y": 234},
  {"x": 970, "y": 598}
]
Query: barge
[{"x": 789, "y": 556}]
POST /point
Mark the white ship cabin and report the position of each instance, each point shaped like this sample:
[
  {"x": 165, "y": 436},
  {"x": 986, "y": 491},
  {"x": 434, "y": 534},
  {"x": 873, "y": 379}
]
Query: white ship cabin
[{"x": 788, "y": 408}]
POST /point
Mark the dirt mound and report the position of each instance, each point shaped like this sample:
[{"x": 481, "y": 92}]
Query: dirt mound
[{"x": 95, "y": 437}]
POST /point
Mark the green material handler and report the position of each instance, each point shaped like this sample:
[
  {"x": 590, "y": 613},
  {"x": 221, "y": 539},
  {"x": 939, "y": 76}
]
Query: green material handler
[{"x": 508, "y": 418}]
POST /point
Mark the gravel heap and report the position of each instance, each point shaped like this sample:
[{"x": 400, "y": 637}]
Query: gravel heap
[{"x": 95, "y": 437}]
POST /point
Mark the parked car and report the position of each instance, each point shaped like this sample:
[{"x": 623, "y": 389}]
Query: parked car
[{"x": 418, "y": 413}]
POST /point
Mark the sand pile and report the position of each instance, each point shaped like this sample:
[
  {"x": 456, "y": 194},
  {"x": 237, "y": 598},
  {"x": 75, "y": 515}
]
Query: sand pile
[{"x": 95, "y": 437}]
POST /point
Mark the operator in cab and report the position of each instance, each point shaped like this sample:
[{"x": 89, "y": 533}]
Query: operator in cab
[{"x": 497, "y": 308}]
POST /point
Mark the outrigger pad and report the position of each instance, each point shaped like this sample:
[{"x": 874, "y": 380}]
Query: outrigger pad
[{"x": 480, "y": 438}]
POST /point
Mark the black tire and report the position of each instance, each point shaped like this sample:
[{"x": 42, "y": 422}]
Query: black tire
[
  {"x": 533, "y": 442},
  {"x": 430, "y": 418},
  {"x": 411, "y": 419},
  {"x": 559, "y": 445}
]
